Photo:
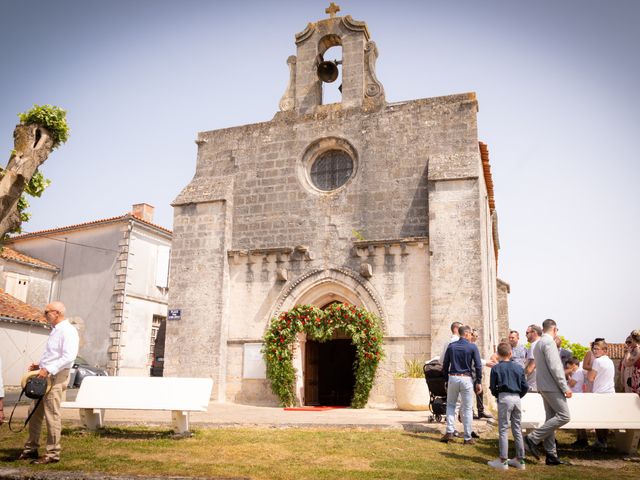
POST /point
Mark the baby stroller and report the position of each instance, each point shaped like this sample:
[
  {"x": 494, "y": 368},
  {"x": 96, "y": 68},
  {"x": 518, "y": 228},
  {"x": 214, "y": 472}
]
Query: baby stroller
[{"x": 437, "y": 391}]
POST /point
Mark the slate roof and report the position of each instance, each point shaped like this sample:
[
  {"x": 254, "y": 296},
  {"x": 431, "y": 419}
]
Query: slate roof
[
  {"x": 9, "y": 253},
  {"x": 13, "y": 309},
  {"x": 86, "y": 225}
]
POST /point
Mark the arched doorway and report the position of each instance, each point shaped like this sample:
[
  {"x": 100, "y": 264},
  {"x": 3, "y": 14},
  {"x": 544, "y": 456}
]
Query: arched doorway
[
  {"x": 329, "y": 378},
  {"x": 322, "y": 288}
]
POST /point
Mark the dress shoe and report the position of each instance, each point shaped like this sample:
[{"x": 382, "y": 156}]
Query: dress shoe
[
  {"x": 28, "y": 455},
  {"x": 474, "y": 435},
  {"x": 471, "y": 441},
  {"x": 554, "y": 460},
  {"x": 484, "y": 415},
  {"x": 531, "y": 447},
  {"x": 447, "y": 437},
  {"x": 45, "y": 460}
]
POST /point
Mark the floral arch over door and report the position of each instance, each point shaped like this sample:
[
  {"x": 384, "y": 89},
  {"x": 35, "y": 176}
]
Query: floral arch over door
[{"x": 364, "y": 328}]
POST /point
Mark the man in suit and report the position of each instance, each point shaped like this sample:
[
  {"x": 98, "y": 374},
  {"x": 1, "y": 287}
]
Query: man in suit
[{"x": 553, "y": 388}]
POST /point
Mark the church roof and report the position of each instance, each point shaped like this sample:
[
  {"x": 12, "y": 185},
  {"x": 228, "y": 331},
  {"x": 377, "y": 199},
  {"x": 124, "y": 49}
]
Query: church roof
[
  {"x": 13, "y": 309},
  {"x": 488, "y": 180},
  {"x": 10, "y": 254}
]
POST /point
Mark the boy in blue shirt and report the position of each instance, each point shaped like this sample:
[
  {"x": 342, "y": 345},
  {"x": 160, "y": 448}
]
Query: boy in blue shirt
[{"x": 508, "y": 384}]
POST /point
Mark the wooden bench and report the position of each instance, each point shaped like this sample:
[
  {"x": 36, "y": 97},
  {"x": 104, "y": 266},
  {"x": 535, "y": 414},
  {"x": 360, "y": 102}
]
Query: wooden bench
[
  {"x": 178, "y": 395},
  {"x": 613, "y": 411}
]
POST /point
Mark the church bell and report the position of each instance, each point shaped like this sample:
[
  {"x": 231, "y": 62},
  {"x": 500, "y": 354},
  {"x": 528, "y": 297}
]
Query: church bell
[{"x": 328, "y": 71}]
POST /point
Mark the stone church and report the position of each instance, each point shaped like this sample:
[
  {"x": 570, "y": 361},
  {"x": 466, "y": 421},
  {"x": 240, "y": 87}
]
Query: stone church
[{"x": 386, "y": 206}]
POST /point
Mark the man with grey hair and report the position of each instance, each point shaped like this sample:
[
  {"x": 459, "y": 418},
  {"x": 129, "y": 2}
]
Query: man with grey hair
[
  {"x": 553, "y": 388},
  {"x": 55, "y": 363}
]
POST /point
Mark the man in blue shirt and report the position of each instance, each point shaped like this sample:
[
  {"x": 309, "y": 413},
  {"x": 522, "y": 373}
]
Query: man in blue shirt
[{"x": 461, "y": 360}]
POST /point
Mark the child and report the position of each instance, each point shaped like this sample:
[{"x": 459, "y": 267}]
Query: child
[
  {"x": 601, "y": 376},
  {"x": 508, "y": 384},
  {"x": 576, "y": 381},
  {"x": 575, "y": 375}
]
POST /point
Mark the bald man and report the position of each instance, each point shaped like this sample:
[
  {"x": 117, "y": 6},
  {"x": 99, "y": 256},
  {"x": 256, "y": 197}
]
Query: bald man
[{"x": 55, "y": 363}]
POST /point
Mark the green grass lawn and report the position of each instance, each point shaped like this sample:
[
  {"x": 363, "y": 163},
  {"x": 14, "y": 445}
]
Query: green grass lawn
[{"x": 296, "y": 453}]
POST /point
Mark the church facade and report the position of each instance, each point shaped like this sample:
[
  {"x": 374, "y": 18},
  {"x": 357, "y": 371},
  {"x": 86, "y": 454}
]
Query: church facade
[{"x": 386, "y": 206}]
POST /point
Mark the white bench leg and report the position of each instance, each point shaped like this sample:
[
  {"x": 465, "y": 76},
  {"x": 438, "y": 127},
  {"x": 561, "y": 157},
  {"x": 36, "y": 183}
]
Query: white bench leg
[
  {"x": 92, "y": 418},
  {"x": 180, "y": 421},
  {"x": 627, "y": 441}
]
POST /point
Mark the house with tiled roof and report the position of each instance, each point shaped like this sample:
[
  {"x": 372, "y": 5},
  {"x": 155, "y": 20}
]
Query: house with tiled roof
[
  {"x": 26, "y": 278},
  {"x": 23, "y": 335},
  {"x": 112, "y": 275}
]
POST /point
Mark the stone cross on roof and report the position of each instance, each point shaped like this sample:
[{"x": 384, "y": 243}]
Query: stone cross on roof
[{"x": 332, "y": 10}]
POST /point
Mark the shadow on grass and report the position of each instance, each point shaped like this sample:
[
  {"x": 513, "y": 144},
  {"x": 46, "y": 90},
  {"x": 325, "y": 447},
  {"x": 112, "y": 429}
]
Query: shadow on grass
[
  {"x": 9, "y": 454},
  {"x": 123, "y": 433}
]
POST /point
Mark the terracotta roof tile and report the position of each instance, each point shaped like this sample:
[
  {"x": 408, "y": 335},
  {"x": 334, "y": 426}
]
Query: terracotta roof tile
[
  {"x": 615, "y": 350},
  {"x": 12, "y": 308},
  {"x": 488, "y": 180},
  {"x": 85, "y": 225},
  {"x": 15, "y": 256}
]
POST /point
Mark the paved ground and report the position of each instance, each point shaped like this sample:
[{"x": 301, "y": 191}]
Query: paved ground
[{"x": 229, "y": 414}]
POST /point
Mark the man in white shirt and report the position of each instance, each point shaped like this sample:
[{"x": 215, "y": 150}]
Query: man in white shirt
[
  {"x": 533, "y": 332},
  {"x": 55, "y": 362},
  {"x": 1, "y": 395},
  {"x": 602, "y": 376}
]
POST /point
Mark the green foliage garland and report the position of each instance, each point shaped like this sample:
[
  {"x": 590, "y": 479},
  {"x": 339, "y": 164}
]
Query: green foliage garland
[
  {"x": 52, "y": 118},
  {"x": 362, "y": 326}
]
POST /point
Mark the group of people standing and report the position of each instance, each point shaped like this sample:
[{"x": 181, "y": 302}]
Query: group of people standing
[{"x": 546, "y": 368}]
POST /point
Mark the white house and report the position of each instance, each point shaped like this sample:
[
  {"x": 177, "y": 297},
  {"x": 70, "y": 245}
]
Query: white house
[{"x": 112, "y": 276}]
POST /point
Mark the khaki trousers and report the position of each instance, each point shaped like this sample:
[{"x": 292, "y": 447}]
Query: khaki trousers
[{"x": 49, "y": 410}]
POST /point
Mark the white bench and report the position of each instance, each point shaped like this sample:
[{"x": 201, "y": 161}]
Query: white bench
[
  {"x": 613, "y": 411},
  {"x": 178, "y": 395}
]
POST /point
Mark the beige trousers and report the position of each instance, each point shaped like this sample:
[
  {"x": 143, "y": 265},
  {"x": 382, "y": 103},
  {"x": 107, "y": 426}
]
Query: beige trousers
[{"x": 49, "y": 410}]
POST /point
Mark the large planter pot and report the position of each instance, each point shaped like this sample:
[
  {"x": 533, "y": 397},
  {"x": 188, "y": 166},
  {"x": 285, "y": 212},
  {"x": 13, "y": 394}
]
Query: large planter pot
[{"x": 411, "y": 393}]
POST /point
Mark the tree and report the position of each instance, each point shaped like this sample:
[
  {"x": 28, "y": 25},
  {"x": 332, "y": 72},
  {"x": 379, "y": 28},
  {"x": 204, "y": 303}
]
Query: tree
[
  {"x": 578, "y": 350},
  {"x": 40, "y": 131}
]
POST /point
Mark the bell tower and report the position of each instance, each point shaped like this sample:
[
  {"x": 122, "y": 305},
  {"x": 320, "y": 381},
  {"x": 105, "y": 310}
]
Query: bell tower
[{"x": 308, "y": 69}]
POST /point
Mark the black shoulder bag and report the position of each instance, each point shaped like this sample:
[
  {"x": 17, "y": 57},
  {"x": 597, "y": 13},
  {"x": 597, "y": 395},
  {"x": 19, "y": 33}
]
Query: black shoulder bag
[{"x": 35, "y": 388}]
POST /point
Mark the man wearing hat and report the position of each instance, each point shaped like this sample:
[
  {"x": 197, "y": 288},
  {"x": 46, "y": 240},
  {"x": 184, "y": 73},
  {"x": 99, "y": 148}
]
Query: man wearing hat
[{"x": 55, "y": 362}]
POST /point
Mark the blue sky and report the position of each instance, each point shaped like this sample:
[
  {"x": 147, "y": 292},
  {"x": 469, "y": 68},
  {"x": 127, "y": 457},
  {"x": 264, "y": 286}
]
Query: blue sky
[{"x": 556, "y": 83}]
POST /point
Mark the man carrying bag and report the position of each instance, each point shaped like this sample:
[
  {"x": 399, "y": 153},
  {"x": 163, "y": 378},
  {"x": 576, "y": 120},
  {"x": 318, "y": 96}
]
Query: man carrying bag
[{"x": 55, "y": 362}]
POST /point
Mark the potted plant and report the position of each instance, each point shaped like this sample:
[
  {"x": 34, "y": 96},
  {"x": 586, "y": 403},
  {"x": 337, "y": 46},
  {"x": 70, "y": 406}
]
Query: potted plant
[{"x": 411, "y": 390}]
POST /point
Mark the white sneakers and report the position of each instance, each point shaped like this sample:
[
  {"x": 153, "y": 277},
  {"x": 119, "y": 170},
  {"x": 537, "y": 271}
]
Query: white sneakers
[
  {"x": 498, "y": 464},
  {"x": 519, "y": 464}
]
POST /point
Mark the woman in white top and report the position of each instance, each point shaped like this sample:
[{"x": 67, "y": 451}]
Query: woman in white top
[{"x": 602, "y": 376}]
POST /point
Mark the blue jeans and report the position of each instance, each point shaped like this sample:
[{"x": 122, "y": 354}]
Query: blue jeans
[{"x": 463, "y": 387}]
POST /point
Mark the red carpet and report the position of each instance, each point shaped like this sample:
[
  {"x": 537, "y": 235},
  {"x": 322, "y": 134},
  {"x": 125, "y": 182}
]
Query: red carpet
[{"x": 310, "y": 409}]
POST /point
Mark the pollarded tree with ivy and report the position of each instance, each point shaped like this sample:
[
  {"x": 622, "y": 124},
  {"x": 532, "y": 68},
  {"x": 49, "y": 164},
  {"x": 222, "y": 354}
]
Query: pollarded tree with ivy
[{"x": 40, "y": 131}]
